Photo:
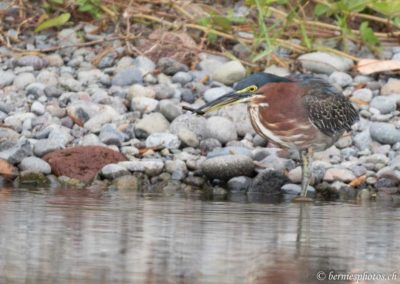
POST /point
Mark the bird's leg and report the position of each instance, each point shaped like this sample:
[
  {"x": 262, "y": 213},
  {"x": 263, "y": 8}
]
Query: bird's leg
[{"x": 306, "y": 170}]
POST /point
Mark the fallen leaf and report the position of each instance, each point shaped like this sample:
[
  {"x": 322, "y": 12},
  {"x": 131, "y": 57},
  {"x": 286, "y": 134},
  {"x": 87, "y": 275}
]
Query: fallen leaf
[
  {"x": 7, "y": 170},
  {"x": 370, "y": 66},
  {"x": 357, "y": 181}
]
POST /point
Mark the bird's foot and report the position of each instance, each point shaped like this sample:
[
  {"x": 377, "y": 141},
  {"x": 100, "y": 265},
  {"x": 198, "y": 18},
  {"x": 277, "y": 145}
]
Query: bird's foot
[{"x": 302, "y": 199}]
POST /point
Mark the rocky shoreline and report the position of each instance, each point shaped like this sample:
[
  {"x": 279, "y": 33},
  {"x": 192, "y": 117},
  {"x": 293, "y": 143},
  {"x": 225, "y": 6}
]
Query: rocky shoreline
[{"x": 133, "y": 106}]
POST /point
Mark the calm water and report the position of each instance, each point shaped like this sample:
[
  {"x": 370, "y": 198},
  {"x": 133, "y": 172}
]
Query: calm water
[{"x": 89, "y": 236}]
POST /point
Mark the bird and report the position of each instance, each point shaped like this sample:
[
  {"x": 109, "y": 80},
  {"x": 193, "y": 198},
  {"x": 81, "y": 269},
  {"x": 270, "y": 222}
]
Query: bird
[{"x": 301, "y": 112}]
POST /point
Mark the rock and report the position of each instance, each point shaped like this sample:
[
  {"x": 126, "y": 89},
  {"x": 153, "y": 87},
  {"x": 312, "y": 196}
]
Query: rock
[
  {"x": 29, "y": 178},
  {"x": 150, "y": 167},
  {"x": 182, "y": 78},
  {"x": 127, "y": 77},
  {"x": 82, "y": 162},
  {"x": 17, "y": 152},
  {"x": 362, "y": 140},
  {"x": 276, "y": 163},
  {"x": 137, "y": 90},
  {"x": 90, "y": 139},
  {"x": 177, "y": 169},
  {"x": 144, "y": 104},
  {"x": 44, "y": 146},
  {"x": 126, "y": 182},
  {"x": 196, "y": 124},
  {"x": 276, "y": 70},
  {"x": 112, "y": 171},
  {"x": 209, "y": 144},
  {"x": 151, "y": 123},
  {"x": 71, "y": 84},
  {"x": 294, "y": 175},
  {"x": 238, "y": 114},
  {"x": 340, "y": 78},
  {"x": 239, "y": 184},
  {"x": 384, "y": 133},
  {"x": 326, "y": 63},
  {"x": 36, "y": 89},
  {"x": 170, "y": 110},
  {"x": 170, "y": 66},
  {"x": 385, "y": 104},
  {"x": 268, "y": 182},
  {"x": 188, "y": 96},
  {"x": 37, "y": 108},
  {"x": 328, "y": 154},
  {"x": 104, "y": 115},
  {"x": 35, "y": 164},
  {"x": 221, "y": 128},
  {"x": 165, "y": 140},
  {"x": 230, "y": 150},
  {"x": 7, "y": 170},
  {"x": 341, "y": 174},
  {"x": 144, "y": 64},
  {"x": 229, "y": 72},
  {"x": 52, "y": 91},
  {"x": 295, "y": 189},
  {"x": 227, "y": 167},
  {"x": 214, "y": 93},
  {"x": 188, "y": 137},
  {"x": 391, "y": 87},
  {"x": 31, "y": 60},
  {"x": 344, "y": 142},
  {"x": 363, "y": 94},
  {"x": 164, "y": 91},
  {"x": 68, "y": 37},
  {"x": 54, "y": 60},
  {"x": 6, "y": 78},
  {"x": 23, "y": 79},
  {"x": 110, "y": 135}
]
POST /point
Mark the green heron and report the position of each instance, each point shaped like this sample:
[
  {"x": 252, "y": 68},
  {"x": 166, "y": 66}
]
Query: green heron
[{"x": 301, "y": 112}]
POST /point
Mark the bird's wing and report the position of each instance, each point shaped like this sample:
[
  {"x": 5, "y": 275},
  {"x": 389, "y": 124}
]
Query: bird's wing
[{"x": 330, "y": 112}]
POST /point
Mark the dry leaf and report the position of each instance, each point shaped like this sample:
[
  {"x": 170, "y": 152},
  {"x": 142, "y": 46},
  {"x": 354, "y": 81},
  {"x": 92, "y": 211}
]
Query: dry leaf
[
  {"x": 357, "y": 181},
  {"x": 370, "y": 66},
  {"x": 7, "y": 170}
]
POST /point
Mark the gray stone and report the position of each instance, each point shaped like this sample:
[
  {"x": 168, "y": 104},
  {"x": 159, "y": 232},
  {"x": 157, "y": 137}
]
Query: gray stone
[
  {"x": 126, "y": 182},
  {"x": 170, "y": 109},
  {"x": 188, "y": 138},
  {"x": 214, "y": 93},
  {"x": 71, "y": 84},
  {"x": 151, "y": 123},
  {"x": 238, "y": 114},
  {"x": 170, "y": 66},
  {"x": 268, "y": 182},
  {"x": 194, "y": 123},
  {"x": 36, "y": 89},
  {"x": 362, "y": 140},
  {"x": 144, "y": 104},
  {"x": 110, "y": 135},
  {"x": 182, "y": 78},
  {"x": 229, "y": 72},
  {"x": 165, "y": 140},
  {"x": 384, "y": 133},
  {"x": 31, "y": 60},
  {"x": 127, "y": 77},
  {"x": 112, "y": 171},
  {"x": 23, "y": 79},
  {"x": 54, "y": 60},
  {"x": 177, "y": 169},
  {"x": 385, "y": 104},
  {"x": 150, "y": 167},
  {"x": 209, "y": 144},
  {"x": 276, "y": 70},
  {"x": 137, "y": 90},
  {"x": 239, "y": 184},
  {"x": 44, "y": 146},
  {"x": 37, "y": 108},
  {"x": 341, "y": 174},
  {"x": 17, "y": 152},
  {"x": 363, "y": 94},
  {"x": 295, "y": 189},
  {"x": 6, "y": 78},
  {"x": 52, "y": 91},
  {"x": 35, "y": 164},
  {"x": 90, "y": 139},
  {"x": 391, "y": 87},
  {"x": 344, "y": 142},
  {"x": 326, "y": 63},
  {"x": 164, "y": 91},
  {"x": 226, "y": 167},
  {"x": 68, "y": 37},
  {"x": 221, "y": 128},
  {"x": 144, "y": 64},
  {"x": 104, "y": 115},
  {"x": 230, "y": 150},
  {"x": 340, "y": 78},
  {"x": 276, "y": 163}
]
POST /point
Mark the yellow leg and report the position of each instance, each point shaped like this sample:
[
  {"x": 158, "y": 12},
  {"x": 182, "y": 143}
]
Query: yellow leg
[{"x": 306, "y": 171}]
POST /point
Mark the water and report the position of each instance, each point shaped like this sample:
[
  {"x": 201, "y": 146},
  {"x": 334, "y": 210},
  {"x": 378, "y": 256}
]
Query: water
[{"x": 92, "y": 236}]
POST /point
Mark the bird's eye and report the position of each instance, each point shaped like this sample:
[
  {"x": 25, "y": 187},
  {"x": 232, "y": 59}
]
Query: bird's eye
[{"x": 252, "y": 88}]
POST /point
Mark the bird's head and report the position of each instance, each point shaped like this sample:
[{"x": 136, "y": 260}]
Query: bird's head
[{"x": 244, "y": 91}]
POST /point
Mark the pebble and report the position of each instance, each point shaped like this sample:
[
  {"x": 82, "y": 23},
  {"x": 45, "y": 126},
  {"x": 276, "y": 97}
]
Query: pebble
[
  {"x": 127, "y": 77},
  {"x": 31, "y": 60},
  {"x": 170, "y": 109},
  {"x": 363, "y": 94},
  {"x": 151, "y": 123},
  {"x": 391, "y": 87},
  {"x": 214, "y": 93},
  {"x": 170, "y": 66},
  {"x": 194, "y": 123},
  {"x": 17, "y": 152},
  {"x": 104, "y": 115},
  {"x": 340, "y": 78},
  {"x": 229, "y": 72},
  {"x": 325, "y": 63},
  {"x": 144, "y": 64},
  {"x": 340, "y": 174},
  {"x": 239, "y": 184},
  {"x": 37, "y": 108},
  {"x": 221, "y": 128},
  {"x": 385, "y": 104},
  {"x": 182, "y": 78},
  {"x": 295, "y": 189},
  {"x": 126, "y": 182},
  {"x": 164, "y": 140},
  {"x": 6, "y": 78},
  {"x": 177, "y": 169},
  {"x": 188, "y": 138},
  {"x": 44, "y": 146},
  {"x": 149, "y": 167},
  {"x": 35, "y": 164},
  {"x": 112, "y": 171},
  {"x": 227, "y": 167},
  {"x": 23, "y": 79},
  {"x": 384, "y": 133},
  {"x": 144, "y": 104},
  {"x": 230, "y": 150},
  {"x": 110, "y": 135},
  {"x": 268, "y": 182}
]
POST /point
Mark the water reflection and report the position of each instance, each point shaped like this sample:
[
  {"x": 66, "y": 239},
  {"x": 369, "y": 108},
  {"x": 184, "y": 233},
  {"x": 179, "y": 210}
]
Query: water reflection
[{"x": 92, "y": 236}]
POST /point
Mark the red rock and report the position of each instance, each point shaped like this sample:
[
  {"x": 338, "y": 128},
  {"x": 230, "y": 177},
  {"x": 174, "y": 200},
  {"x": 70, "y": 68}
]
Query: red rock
[
  {"x": 82, "y": 162},
  {"x": 7, "y": 170}
]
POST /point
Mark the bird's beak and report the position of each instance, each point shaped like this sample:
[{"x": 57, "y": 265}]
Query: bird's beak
[{"x": 228, "y": 99}]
